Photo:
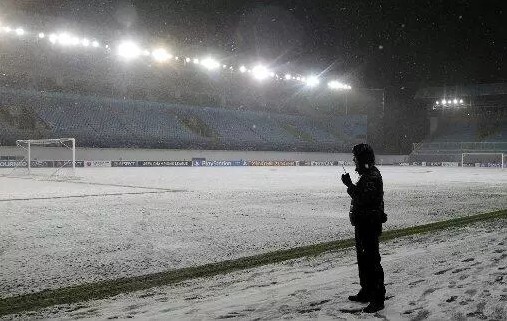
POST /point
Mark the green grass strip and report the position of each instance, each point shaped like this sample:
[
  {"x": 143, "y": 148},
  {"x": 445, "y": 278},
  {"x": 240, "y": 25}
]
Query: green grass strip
[{"x": 104, "y": 289}]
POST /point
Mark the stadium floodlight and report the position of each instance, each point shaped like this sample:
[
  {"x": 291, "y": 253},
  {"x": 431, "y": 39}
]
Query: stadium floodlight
[
  {"x": 20, "y": 31},
  {"x": 335, "y": 84},
  {"x": 65, "y": 39},
  {"x": 260, "y": 72},
  {"x": 85, "y": 42},
  {"x": 288, "y": 77},
  {"x": 461, "y": 101},
  {"x": 338, "y": 85},
  {"x": 95, "y": 43},
  {"x": 42, "y": 35},
  {"x": 129, "y": 50},
  {"x": 160, "y": 55},
  {"x": 187, "y": 59},
  {"x": 224, "y": 66},
  {"x": 242, "y": 69},
  {"x": 177, "y": 58},
  {"x": 437, "y": 103},
  {"x": 455, "y": 101},
  {"x": 312, "y": 81},
  {"x": 53, "y": 38},
  {"x": 210, "y": 63},
  {"x": 196, "y": 61}
]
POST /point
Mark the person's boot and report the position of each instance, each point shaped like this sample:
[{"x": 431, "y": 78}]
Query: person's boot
[
  {"x": 374, "y": 306},
  {"x": 360, "y": 297}
]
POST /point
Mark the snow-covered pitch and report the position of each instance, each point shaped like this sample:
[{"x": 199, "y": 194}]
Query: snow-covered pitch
[{"x": 119, "y": 222}]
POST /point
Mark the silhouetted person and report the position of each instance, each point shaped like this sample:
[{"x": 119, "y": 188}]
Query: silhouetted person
[{"x": 367, "y": 215}]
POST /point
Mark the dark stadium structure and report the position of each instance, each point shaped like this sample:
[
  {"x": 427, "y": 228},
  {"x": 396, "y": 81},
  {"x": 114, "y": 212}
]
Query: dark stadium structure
[
  {"x": 50, "y": 91},
  {"x": 462, "y": 119}
]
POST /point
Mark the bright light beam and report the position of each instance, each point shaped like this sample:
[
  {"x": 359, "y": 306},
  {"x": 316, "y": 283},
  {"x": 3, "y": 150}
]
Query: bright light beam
[
  {"x": 338, "y": 85},
  {"x": 53, "y": 38},
  {"x": 210, "y": 63},
  {"x": 160, "y": 55},
  {"x": 312, "y": 81},
  {"x": 260, "y": 72},
  {"x": 129, "y": 50}
]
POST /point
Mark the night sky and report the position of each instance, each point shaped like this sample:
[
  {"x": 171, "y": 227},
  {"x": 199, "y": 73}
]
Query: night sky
[{"x": 388, "y": 44}]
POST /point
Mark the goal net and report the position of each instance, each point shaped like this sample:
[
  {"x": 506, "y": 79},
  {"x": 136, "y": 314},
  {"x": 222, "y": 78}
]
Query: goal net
[
  {"x": 47, "y": 158},
  {"x": 483, "y": 160}
]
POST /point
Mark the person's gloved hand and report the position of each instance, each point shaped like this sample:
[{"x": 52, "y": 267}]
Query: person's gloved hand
[{"x": 346, "y": 180}]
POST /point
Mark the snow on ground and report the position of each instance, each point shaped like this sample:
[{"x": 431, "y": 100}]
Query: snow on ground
[
  {"x": 455, "y": 274},
  {"x": 118, "y": 222}
]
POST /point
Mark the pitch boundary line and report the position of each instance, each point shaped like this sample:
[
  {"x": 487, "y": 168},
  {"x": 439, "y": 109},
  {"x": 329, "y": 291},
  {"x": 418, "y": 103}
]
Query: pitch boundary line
[
  {"x": 87, "y": 195},
  {"x": 96, "y": 183},
  {"x": 109, "y": 288}
]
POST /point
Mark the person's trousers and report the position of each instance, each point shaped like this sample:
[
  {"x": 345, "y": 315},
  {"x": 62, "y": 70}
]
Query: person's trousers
[{"x": 371, "y": 274}]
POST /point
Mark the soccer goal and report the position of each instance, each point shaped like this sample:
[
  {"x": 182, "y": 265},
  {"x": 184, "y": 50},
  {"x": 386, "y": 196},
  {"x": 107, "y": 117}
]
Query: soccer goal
[
  {"x": 483, "y": 160},
  {"x": 50, "y": 158}
]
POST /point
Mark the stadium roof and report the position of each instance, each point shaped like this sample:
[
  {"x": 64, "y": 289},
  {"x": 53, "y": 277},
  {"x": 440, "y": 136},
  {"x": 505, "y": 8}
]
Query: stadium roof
[{"x": 462, "y": 91}]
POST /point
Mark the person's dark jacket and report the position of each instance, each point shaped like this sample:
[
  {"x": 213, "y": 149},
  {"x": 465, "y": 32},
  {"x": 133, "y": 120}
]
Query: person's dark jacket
[{"x": 367, "y": 205}]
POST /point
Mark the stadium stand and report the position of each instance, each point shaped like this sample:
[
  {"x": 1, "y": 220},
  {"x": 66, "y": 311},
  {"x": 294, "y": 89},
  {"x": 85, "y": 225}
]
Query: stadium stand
[
  {"x": 106, "y": 122},
  {"x": 479, "y": 126}
]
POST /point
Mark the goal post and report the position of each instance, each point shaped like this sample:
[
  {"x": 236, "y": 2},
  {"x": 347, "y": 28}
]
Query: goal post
[
  {"x": 37, "y": 153},
  {"x": 483, "y": 160}
]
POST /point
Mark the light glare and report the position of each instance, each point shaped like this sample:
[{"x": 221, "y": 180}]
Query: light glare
[
  {"x": 20, "y": 31},
  {"x": 160, "y": 55},
  {"x": 65, "y": 39},
  {"x": 338, "y": 85},
  {"x": 210, "y": 63},
  {"x": 260, "y": 72},
  {"x": 129, "y": 50},
  {"x": 53, "y": 38},
  {"x": 42, "y": 35},
  {"x": 242, "y": 69},
  {"x": 312, "y": 81}
]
